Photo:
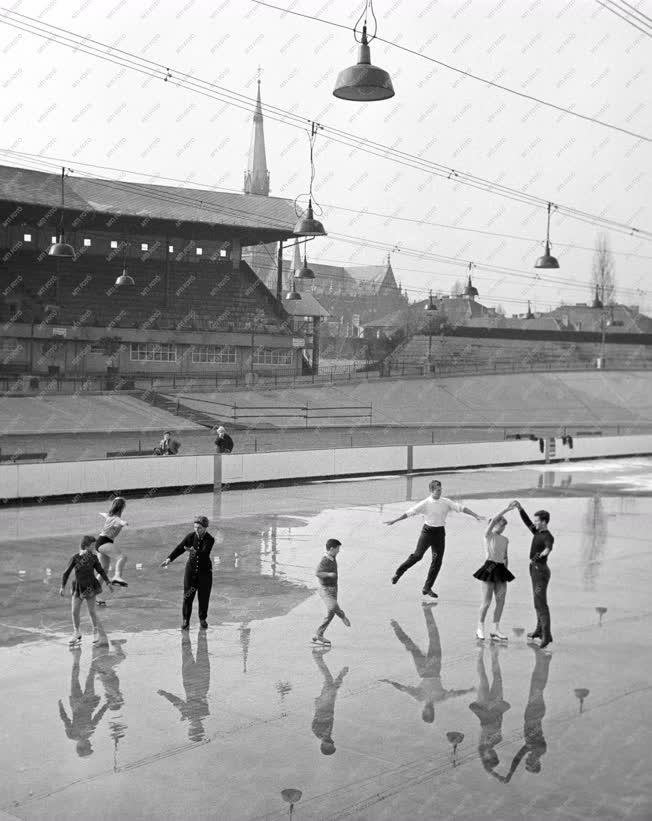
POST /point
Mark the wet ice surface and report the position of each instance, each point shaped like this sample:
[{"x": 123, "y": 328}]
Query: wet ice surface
[{"x": 216, "y": 725}]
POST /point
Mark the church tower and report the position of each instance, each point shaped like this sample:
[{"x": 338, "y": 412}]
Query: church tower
[
  {"x": 256, "y": 178},
  {"x": 261, "y": 258}
]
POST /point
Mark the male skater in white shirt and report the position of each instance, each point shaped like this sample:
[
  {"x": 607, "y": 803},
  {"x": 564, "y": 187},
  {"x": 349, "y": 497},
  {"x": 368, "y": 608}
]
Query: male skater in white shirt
[{"x": 435, "y": 508}]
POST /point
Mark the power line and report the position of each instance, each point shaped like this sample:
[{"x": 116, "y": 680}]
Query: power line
[
  {"x": 334, "y": 135},
  {"x": 357, "y": 211},
  {"x": 643, "y": 25},
  {"x": 178, "y": 198},
  {"x": 483, "y": 80}
]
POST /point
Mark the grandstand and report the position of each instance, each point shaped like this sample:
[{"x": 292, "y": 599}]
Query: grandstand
[
  {"x": 195, "y": 305},
  {"x": 464, "y": 352}
]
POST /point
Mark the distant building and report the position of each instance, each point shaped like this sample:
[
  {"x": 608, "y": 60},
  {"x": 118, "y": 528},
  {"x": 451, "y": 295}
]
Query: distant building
[{"x": 353, "y": 295}]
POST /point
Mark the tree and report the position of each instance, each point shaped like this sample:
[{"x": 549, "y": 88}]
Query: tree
[
  {"x": 603, "y": 276},
  {"x": 457, "y": 289}
]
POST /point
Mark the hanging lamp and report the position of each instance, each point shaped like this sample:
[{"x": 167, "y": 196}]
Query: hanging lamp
[
  {"x": 430, "y": 305},
  {"x": 124, "y": 278},
  {"x": 305, "y": 272},
  {"x": 547, "y": 260},
  {"x": 308, "y": 226},
  {"x": 293, "y": 295},
  {"x": 61, "y": 248},
  {"x": 364, "y": 82}
]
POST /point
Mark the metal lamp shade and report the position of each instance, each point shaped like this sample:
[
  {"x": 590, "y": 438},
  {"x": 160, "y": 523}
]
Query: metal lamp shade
[
  {"x": 61, "y": 249},
  {"x": 363, "y": 83},
  {"x": 124, "y": 279},
  {"x": 308, "y": 226},
  {"x": 293, "y": 295},
  {"x": 305, "y": 272},
  {"x": 547, "y": 260}
]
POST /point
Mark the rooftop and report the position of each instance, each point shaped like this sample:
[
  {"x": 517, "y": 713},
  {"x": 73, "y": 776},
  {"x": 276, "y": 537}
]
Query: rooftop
[{"x": 145, "y": 200}]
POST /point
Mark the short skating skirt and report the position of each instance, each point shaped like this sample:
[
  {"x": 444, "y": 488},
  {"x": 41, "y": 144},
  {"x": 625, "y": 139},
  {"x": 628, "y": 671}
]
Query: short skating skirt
[
  {"x": 87, "y": 591},
  {"x": 493, "y": 572}
]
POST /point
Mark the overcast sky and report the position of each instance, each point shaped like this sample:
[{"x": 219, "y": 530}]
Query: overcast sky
[{"x": 574, "y": 53}]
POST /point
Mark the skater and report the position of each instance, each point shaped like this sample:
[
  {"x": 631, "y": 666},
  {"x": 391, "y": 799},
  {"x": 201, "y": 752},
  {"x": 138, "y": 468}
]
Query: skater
[
  {"x": 198, "y": 576},
  {"x": 490, "y": 707},
  {"x": 494, "y": 574},
  {"x": 327, "y": 574},
  {"x": 435, "y": 508},
  {"x": 81, "y": 724},
  {"x": 430, "y": 689},
  {"x": 322, "y": 723},
  {"x": 85, "y": 587},
  {"x": 196, "y": 675},
  {"x": 113, "y": 524},
  {"x": 542, "y": 542}
]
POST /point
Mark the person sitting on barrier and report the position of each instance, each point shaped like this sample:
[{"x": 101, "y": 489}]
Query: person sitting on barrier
[
  {"x": 167, "y": 446},
  {"x": 224, "y": 443}
]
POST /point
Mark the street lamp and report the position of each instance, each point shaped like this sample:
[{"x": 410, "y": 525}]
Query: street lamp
[{"x": 430, "y": 308}]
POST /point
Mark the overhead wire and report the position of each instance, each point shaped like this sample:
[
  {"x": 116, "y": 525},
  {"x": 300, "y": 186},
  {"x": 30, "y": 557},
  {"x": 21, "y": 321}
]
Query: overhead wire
[
  {"x": 335, "y": 135},
  {"x": 358, "y": 211},
  {"x": 643, "y": 25},
  {"x": 469, "y": 74},
  {"x": 178, "y": 198}
]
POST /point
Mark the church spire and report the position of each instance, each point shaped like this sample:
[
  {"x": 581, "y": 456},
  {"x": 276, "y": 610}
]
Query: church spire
[{"x": 257, "y": 176}]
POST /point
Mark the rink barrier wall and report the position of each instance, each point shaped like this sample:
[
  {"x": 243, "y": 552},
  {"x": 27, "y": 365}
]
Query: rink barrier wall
[{"x": 49, "y": 480}]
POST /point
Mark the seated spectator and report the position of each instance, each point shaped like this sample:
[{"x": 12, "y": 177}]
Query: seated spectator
[
  {"x": 224, "y": 442},
  {"x": 167, "y": 446}
]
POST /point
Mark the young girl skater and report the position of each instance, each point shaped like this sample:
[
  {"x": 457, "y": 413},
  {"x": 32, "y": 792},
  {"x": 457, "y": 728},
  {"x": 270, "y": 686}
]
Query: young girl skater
[
  {"x": 494, "y": 574},
  {"x": 85, "y": 587},
  {"x": 113, "y": 524}
]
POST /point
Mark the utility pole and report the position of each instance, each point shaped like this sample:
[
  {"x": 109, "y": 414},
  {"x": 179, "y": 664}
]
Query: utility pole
[{"x": 279, "y": 271}]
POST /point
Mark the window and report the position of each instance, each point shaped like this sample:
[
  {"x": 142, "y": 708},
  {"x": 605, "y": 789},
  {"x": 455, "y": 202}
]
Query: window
[
  {"x": 153, "y": 352},
  {"x": 114, "y": 243},
  {"x": 272, "y": 356},
  {"x": 87, "y": 242},
  {"x": 144, "y": 246},
  {"x": 9, "y": 350},
  {"x": 217, "y": 354},
  {"x": 27, "y": 237},
  {"x": 54, "y": 239},
  {"x": 199, "y": 251},
  {"x": 222, "y": 252},
  {"x": 170, "y": 249}
]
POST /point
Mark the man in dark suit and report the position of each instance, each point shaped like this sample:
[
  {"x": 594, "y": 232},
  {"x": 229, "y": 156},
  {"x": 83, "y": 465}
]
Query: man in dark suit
[{"x": 198, "y": 576}]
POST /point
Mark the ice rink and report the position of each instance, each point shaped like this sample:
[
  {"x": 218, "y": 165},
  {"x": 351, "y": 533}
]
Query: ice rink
[{"x": 221, "y": 723}]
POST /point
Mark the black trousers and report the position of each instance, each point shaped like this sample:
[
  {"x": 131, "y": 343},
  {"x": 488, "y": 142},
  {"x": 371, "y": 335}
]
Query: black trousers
[
  {"x": 201, "y": 585},
  {"x": 540, "y": 576},
  {"x": 435, "y": 539}
]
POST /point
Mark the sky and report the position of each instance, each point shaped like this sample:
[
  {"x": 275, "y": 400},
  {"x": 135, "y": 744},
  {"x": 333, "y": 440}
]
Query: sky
[{"x": 74, "y": 108}]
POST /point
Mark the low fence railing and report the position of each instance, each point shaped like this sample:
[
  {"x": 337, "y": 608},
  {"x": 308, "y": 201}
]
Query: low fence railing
[
  {"x": 244, "y": 414},
  {"x": 43, "y": 384}
]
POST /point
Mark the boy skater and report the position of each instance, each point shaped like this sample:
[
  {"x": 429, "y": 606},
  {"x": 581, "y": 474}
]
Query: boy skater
[
  {"x": 327, "y": 575},
  {"x": 542, "y": 542},
  {"x": 435, "y": 508}
]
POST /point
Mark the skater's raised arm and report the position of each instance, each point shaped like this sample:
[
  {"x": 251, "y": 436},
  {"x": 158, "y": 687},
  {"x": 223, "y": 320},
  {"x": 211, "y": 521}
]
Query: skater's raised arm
[
  {"x": 525, "y": 518},
  {"x": 469, "y": 512},
  {"x": 494, "y": 520},
  {"x": 420, "y": 507}
]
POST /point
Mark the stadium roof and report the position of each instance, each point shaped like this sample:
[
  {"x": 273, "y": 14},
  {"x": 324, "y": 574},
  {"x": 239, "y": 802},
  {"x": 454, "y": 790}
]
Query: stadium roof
[{"x": 145, "y": 200}]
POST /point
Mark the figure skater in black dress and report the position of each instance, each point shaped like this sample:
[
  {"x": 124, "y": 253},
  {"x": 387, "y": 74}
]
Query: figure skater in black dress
[
  {"x": 85, "y": 588},
  {"x": 494, "y": 574}
]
